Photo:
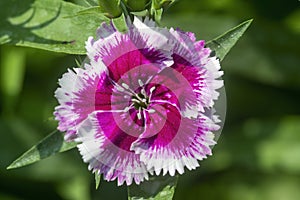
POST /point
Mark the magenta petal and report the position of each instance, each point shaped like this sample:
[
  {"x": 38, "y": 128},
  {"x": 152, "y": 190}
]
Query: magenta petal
[
  {"x": 119, "y": 128},
  {"x": 160, "y": 152},
  {"x": 162, "y": 125},
  {"x": 184, "y": 46},
  {"x": 103, "y": 93},
  {"x": 130, "y": 60},
  {"x": 76, "y": 97},
  {"x": 175, "y": 88},
  {"x": 171, "y": 152},
  {"x": 121, "y": 52},
  {"x": 106, "y": 148},
  {"x": 203, "y": 140},
  {"x": 203, "y": 77},
  {"x": 154, "y": 121}
]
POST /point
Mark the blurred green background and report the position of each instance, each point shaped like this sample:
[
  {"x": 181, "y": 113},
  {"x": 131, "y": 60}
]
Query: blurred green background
[{"x": 258, "y": 153}]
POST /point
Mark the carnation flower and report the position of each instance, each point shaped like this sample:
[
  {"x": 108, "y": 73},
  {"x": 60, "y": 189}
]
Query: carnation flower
[{"x": 140, "y": 104}]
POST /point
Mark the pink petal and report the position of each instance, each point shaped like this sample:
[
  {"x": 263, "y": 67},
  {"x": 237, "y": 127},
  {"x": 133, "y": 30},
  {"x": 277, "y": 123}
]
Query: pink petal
[
  {"x": 122, "y": 52},
  {"x": 163, "y": 150},
  {"x": 106, "y": 148},
  {"x": 76, "y": 97}
]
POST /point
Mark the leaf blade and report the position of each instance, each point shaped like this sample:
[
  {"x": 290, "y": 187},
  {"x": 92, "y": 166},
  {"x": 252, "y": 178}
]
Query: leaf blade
[
  {"x": 222, "y": 44},
  {"x": 50, "y": 145},
  {"x": 44, "y": 24},
  {"x": 120, "y": 23},
  {"x": 157, "y": 188},
  {"x": 97, "y": 180}
]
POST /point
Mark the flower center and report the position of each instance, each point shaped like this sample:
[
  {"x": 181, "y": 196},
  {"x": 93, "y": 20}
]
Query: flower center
[{"x": 140, "y": 100}]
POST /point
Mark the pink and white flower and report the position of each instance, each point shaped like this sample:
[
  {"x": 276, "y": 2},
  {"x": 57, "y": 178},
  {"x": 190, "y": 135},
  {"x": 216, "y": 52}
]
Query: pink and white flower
[{"x": 139, "y": 105}]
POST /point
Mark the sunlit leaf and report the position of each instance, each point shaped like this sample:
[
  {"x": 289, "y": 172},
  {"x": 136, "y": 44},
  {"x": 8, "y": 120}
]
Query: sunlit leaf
[
  {"x": 50, "y": 145},
  {"x": 90, "y": 3},
  {"x": 46, "y": 24},
  {"x": 222, "y": 44},
  {"x": 90, "y": 10},
  {"x": 97, "y": 179},
  {"x": 120, "y": 23},
  {"x": 157, "y": 188}
]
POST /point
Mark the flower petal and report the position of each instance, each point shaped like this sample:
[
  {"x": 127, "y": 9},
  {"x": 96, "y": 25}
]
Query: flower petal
[
  {"x": 203, "y": 140},
  {"x": 174, "y": 87},
  {"x": 163, "y": 151},
  {"x": 106, "y": 148},
  {"x": 121, "y": 52},
  {"x": 192, "y": 60},
  {"x": 76, "y": 96}
]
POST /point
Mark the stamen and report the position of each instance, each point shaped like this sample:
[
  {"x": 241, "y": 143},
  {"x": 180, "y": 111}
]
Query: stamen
[
  {"x": 119, "y": 88},
  {"x": 138, "y": 97},
  {"x": 151, "y": 90},
  {"x": 135, "y": 100},
  {"x": 151, "y": 111},
  {"x": 140, "y": 83},
  {"x": 128, "y": 107},
  {"x": 139, "y": 116},
  {"x": 143, "y": 91},
  {"x": 125, "y": 86}
]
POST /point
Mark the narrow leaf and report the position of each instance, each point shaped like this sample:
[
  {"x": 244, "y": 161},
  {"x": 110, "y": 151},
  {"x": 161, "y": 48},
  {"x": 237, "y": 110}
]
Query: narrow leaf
[
  {"x": 50, "y": 145},
  {"x": 97, "y": 179},
  {"x": 157, "y": 188},
  {"x": 222, "y": 44},
  {"x": 45, "y": 24}
]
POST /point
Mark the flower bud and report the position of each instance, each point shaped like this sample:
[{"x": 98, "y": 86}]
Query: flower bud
[
  {"x": 111, "y": 8},
  {"x": 137, "y": 5}
]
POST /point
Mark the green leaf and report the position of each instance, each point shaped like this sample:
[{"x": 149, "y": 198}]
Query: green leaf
[
  {"x": 50, "y": 145},
  {"x": 157, "y": 188},
  {"x": 120, "y": 23},
  {"x": 45, "y": 24},
  {"x": 90, "y": 10},
  {"x": 222, "y": 44},
  {"x": 97, "y": 179},
  {"x": 90, "y": 3}
]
